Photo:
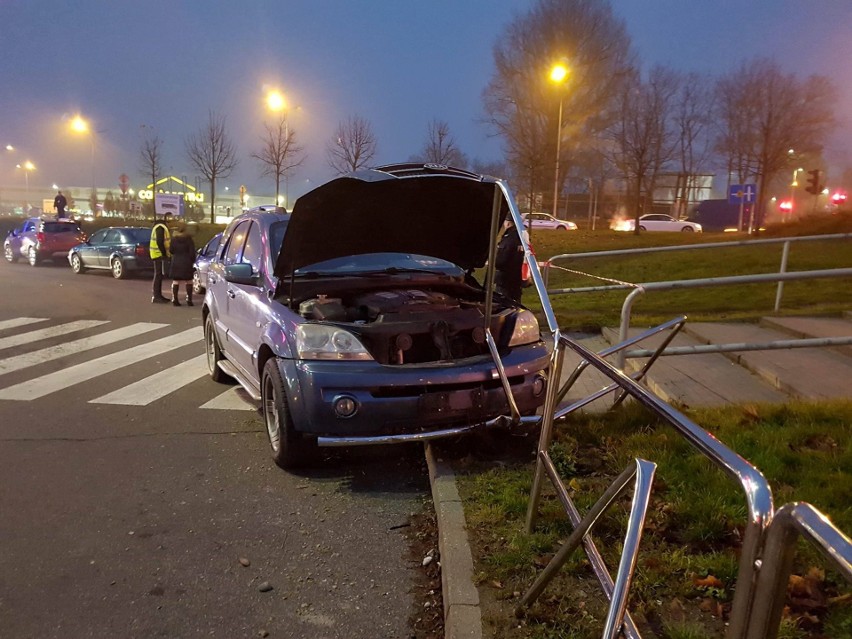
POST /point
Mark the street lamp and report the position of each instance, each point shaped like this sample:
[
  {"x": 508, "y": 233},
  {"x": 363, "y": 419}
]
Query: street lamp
[
  {"x": 27, "y": 167},
  {"x": 81, "y": 126},
  {"x": 558, "y": 74},
  {"x": 276, "y": 103},
  {"x": 793, "y": 186}
]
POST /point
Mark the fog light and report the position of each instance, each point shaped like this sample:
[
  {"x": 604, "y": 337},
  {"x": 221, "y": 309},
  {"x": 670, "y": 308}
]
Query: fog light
[
  {"x": 345, "y": 406},
  {"x": 538, "y": 385}
]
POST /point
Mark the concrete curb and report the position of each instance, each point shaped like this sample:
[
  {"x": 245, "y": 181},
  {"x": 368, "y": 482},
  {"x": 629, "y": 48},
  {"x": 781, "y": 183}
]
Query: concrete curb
[{"x": 462, "y": 614}]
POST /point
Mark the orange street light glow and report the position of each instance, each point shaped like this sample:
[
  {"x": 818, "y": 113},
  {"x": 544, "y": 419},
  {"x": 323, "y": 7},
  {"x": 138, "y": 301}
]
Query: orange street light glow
[
  {"x": 79, "y": 125},
  {"x": 558, "y": 73}
]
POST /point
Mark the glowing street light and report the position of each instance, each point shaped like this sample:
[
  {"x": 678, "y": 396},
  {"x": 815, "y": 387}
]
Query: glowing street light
[
  {"x": 81, "y": 126},
  {"x": 275, "y": 101},
  {"x": 558, "y": 75},
  {"x": 9, "y": 147}
]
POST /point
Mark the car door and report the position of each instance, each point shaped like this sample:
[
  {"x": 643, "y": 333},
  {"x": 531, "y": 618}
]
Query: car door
[
  {"x": 111, "y": 242},
  {"x": 245, "y": 304},
  {"x": 89, "y": 252}
]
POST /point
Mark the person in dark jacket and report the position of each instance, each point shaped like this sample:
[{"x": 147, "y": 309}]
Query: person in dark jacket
[
  {"x": 59, "y": 203},
  {"x": 183, "y": 258},
  {"x": 508, "y": 262}
]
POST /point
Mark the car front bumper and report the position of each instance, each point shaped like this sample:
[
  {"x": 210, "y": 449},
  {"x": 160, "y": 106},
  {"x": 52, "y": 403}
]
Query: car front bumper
[{"x": 410, "y": 402}]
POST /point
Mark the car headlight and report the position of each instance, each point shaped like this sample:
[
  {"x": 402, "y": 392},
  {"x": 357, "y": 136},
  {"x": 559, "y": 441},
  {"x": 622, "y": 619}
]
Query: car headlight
[
  {"x": 319, "y": 341},
  {"x": 526, "y": 329}
]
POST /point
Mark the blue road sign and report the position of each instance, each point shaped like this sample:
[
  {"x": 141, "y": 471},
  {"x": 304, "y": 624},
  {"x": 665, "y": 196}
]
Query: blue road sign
[{"x": 742, "y": 193}]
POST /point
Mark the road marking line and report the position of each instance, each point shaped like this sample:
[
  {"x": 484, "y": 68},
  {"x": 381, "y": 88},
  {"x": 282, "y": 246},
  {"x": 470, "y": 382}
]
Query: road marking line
[
  {"x": 26, "y": 360},
  {"x": 232, "y": 399},
  {"x": 53, "y": 331},
  {"x": 158, "y": 385},
  {"x": 20, "y": 321},
  {"x": 60, "y": 380}
]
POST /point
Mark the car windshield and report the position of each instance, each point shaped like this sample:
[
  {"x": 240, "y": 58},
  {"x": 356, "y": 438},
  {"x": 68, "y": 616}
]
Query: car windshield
[
  {"x": 60, "y": 227},
  {"x": 276, "y": 237},
  {"x": 390, "y": 263},
  {"x": 140, "y": 236}
]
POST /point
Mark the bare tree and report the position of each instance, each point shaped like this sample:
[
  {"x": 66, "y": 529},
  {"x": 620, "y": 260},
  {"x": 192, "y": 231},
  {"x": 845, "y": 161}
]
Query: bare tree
[
  {"x": 643, "y": 136},
  {"x": 212, "y": 153},
  {"x": 440, "y": 146},
  {"x": 279, "y": 153},
  {"x": 151, "y": 156},
  {"x": 692, "y": 121},
  {"x": 764, "y": 113},
  {"x": 353, "y": 146},
  {"x": 522, "y": 105}
]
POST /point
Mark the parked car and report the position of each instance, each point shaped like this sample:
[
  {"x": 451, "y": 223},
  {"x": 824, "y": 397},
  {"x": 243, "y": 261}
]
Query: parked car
[
  {"x": 42, "y": 238},
  {"x": 121, "y": 249},
  {"x": 659, "y": 222},
  {"x": 367, "y": 326},
  {"x": 202, "y": 263},
  {"x": 546, "y": 221}
]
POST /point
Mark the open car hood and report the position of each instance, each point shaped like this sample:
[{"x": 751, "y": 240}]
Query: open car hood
[{"x": 413, "y": 208}]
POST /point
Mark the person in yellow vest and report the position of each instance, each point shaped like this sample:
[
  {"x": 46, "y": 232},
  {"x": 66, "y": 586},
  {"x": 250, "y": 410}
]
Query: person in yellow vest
[{"x": 159, "y": 250}]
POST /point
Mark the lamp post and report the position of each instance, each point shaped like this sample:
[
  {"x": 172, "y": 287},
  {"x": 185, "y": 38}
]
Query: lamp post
[
  {"x": 81, "y": 126},
  {"x": 27, "y": 167},
  {"x": 276, "y": 103},
  {"x": 558, "y": 73},
  {"x": 793, "y": 186}
]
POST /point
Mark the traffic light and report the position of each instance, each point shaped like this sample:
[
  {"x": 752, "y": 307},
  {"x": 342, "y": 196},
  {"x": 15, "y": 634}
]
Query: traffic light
[{"x": 814, "y": 186}]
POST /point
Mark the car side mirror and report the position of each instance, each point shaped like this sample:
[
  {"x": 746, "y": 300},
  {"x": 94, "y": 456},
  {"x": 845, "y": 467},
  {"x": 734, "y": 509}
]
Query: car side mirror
[{"x": 240, "y": 274}]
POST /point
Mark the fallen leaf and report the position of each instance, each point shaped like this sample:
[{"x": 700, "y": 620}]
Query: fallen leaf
[
  {"x": 709, "y": 581},
  {"x": 497, "y": 584}
]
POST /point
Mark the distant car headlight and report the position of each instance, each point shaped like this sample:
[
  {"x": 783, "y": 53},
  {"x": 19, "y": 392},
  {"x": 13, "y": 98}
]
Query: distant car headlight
[
  {"x": 526, "y": 329},
  {"x": 318, "y": 341}
]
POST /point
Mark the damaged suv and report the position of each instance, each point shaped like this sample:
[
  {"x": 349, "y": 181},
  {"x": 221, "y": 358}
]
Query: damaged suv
[{"x": 358, "y": 319}]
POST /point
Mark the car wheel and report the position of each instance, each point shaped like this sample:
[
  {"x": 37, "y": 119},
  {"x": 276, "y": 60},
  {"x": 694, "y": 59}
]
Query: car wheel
[
  {"x": 9, "y": 253},
  {"x": 117, "y": 268},
  {"x": 214, "y": 353},
  {"x": 77, "y": 264},
  {"x": 32, "y": 256},
  {"x": 289, "y": 448},
  {"x": 641, "y": 228},
  {"x": 561, "y": 228},
  {"x": 196, "y": 284},
  {"x": 687, "y": 229}
]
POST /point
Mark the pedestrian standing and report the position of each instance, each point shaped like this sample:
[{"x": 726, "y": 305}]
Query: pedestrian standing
[
  {"x": 183, "y": 257},
  {"x": 159, "y": 250},
  {"x": 59, "y": 203}
]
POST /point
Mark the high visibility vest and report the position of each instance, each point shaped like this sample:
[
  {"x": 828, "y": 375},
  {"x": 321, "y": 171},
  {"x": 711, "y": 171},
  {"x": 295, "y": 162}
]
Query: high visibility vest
[{"x": 152, "y": 247}]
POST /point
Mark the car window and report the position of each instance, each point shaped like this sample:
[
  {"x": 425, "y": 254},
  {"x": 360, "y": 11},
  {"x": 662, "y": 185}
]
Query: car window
[
  {"x": 112, "y": 237},
  {"x": 138, "y": 236},
  {"x": 253, "y": 249},
  {"x": 60, "y": 227},
  {"x": 29, "y": 226},
  {"x": 235, "y": 243},
  {"x": 98, "y": 237},
  {"x": 212, "y": 246},
  {"x": 276, "y": 238}
]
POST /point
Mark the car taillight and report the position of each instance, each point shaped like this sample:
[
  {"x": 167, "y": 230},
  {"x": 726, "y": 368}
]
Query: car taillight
[
  {"x": 40, "y": 237},
  {"x": 141, "y": 251}
]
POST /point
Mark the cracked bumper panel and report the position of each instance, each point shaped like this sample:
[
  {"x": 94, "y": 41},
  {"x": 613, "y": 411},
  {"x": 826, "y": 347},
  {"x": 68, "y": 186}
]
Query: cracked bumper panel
[{"x": 409, "y": 399}]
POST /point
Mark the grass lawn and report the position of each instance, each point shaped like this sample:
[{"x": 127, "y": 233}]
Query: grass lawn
[
  {"x": 688, "y": 557},
  {"x": 591, "y": 311},
  {"x": 689, "y": 553}
]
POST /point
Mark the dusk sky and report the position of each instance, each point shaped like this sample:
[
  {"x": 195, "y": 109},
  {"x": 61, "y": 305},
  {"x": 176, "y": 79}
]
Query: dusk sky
[{"x": 399, "y": 64}]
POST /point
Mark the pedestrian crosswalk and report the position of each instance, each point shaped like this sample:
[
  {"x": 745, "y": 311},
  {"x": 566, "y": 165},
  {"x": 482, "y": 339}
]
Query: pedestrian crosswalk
[{"x": 67, "y": 371}]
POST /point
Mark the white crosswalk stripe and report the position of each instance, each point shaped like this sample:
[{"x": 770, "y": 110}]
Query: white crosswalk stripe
[
  {"x": 20, "y": 321},
  {"x": 26, "y": 360},
  {"x": 53, "y": 382},
  {"x": 139, "y": 393},
  {"x": 52, "y": 331},
  {"x": 158, "y": 385}
]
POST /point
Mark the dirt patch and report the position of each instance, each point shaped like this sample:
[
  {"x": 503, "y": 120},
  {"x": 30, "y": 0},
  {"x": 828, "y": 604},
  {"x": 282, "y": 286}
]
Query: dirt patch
[{"x": 427, "y": 617}]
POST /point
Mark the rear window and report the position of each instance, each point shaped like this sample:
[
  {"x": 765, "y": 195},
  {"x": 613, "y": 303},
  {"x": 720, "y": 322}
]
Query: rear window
[
  {"x": 140, "y": 236},
  {"x": 60, "y": 227}
]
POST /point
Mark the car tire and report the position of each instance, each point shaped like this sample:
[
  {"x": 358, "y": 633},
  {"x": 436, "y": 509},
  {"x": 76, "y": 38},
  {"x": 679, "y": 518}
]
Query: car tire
[
  {"x": 289, "y": 448},
  {"x": 687, "y": 229},
  {"x": 77, "y": 264},
  {"x": 116, "y": 267},
  {"x": 214, "y": 353},
  {"x": 9, "y": 254},
  {"x": 561, "y": 227},
  {"x": 32, "y": 256},
  {"x": 196, "y": 284},
  {"x": 641, "y": 228}
]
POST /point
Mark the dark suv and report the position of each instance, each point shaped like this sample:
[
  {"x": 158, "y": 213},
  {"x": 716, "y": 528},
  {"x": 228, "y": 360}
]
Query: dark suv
[{"x": 42, "y": 238}]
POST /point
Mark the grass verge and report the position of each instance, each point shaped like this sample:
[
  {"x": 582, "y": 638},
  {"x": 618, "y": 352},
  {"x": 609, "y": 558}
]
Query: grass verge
[{"x": 688, "y": 558}]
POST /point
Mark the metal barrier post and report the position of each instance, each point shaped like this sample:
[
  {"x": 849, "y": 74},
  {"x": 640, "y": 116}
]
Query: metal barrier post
[
  {"x": 625, "y": 322},
  {"x": 784, "y": 255}
]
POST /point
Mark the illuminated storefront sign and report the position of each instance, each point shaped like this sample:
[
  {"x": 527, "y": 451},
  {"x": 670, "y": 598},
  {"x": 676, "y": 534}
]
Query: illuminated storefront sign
[{"x": 188, "y": 192}]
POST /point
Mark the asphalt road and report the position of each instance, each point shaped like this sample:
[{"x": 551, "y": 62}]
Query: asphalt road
[{"x": 129, "y": 520}]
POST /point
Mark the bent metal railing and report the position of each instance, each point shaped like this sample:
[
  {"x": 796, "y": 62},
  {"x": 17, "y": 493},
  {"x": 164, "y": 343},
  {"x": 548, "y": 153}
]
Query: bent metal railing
[{"x": 757, "y": 588}]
